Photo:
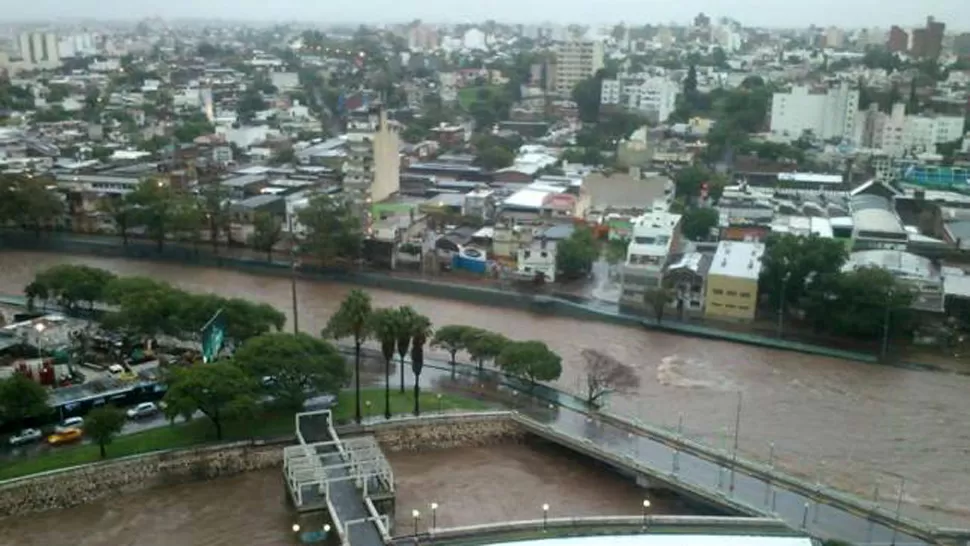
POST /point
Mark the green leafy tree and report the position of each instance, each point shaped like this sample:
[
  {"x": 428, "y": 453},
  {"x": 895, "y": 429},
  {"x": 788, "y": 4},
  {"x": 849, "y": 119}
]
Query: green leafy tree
[
  {"x": 353, "y": 319},
  {"x": 155, "y": 207},
  {"x": 386, "y": 326},
  {"x": 452, "y": 339},
  {"x": 22, "y": 398},
  {"x": 858, "y": 303},
  {"x": 688, "y": 181},
  {"x": 586, "y": 95},
  {"x": 698, "y": 222},
  {"x": 267, "y": 231},
  {"x": 119, "y": 209},
  {"x": 102, "y": 425},
  {"x": 188, "y": 219},
  {"x": 532, "y": 360},
  {"x": 36, "y": 291},
  {"x": 215, "y": 204},
  {"x": 494, "y": 158},
  {"x": 333, "y": 230},
  {"x": 294, "y": 365},
  {"x": 791, "y": 261},
  {"x": 657, "y": 299},
  {"x": 483, "y": 345},
  {"x": 420, "y": 332},
  {"x": 72, "y": 284},
  {"x": 221, "y": 390},
  {"x": 575, "y": 255},
  {"x": 27, "y": 202}
]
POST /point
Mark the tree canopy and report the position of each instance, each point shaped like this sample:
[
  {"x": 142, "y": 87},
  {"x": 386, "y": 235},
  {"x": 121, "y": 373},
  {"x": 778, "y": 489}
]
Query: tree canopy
[
  {"x": 22, "y": 398},
  {"x": 698, "y": 222},
  {"x": 102, "y": 425},
  {"x": 575, "y": 255},
  {"x": 334, "y": 232},
  {"x": 532, "y": 360},
  {"x": 221, "y": 391},
  {"x": 294, "y": 366}
]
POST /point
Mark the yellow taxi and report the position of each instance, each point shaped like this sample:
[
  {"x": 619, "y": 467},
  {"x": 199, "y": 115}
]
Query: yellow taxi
[{"x": 64, "y": 436}]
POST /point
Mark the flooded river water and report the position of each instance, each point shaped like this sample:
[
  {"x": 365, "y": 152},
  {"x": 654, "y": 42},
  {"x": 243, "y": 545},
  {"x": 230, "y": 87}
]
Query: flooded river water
[
  {"x": 844, "y": 423},
  {"x": 470, "y": 485}
]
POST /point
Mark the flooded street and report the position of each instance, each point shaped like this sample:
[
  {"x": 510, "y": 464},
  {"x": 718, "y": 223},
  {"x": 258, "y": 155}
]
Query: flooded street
[
  {"x": 839, "y": 422},
  {"x": 471, "y": 485}
]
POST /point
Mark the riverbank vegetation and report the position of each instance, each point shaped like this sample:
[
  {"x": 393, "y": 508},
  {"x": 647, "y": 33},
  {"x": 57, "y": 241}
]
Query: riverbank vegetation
[{"x": 268, "y": 424}]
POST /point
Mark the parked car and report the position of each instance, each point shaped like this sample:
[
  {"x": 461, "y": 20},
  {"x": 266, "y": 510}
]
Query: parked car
[
  {"x": 25, "y": 436},
  {"x": 145, "y": 409},
  {"x": 64, "y": 437},
  {"x": 69, "y": 423}
]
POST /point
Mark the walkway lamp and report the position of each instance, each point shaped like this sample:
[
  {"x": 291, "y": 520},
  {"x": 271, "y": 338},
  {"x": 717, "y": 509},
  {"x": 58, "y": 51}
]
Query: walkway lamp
[
  {"x": 545, "y": 516},
  {"x": 434, "y": 515},
  {"x": 367, "y": 410},
  {"x": 646, "y": 506},
  {"x": 439, "y": 402},
  {"x": 326, "y": 528},
  {"x": 296, "y": 527},
  {"x": 415, "y": 515}
]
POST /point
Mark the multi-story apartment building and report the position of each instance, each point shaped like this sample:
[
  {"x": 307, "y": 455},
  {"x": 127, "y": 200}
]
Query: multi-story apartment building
[
  {"x": 897, "y": 134},
  {"x": 654, "y": 96},
  {"x": 898, "y": 40},
  {"x": 655, "y": 236},
  {"x": 373, "y": 165},
  {"x": 732, "y": 280},
  {"x": 575, "y": 61},
  {"x": 39, "y": 50},
  {"x": 828, "y": 113}
]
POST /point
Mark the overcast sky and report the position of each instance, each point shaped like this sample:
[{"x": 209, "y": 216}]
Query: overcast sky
[{"x": 777, "y": 13}]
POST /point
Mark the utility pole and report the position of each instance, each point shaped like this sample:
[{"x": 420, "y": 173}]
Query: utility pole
[
  {"x": 884, "y": 353},
  {"x": 294, "y": 263},
  {"x": 781, "y": 303}
]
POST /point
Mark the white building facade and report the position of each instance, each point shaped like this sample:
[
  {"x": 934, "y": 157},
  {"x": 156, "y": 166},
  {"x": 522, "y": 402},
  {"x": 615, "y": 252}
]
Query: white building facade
[
  {"x": 652, "y": 95},
  {"x": 826, "y": 113},
  {"x": 576, "y": 60}
]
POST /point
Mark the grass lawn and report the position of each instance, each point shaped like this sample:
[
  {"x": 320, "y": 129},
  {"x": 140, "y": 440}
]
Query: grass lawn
[{"x": 201, "y": 431}]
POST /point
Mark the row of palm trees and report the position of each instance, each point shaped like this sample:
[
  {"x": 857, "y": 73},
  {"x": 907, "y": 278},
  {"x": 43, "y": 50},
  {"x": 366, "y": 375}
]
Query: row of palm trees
[{"x": 398, "y": 330}]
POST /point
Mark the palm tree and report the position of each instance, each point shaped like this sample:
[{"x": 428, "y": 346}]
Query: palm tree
[
  {"x": 385, "y": 324},
  {"x": 352, "y": 319},
  {"x": 420, "y": 332},
  {"x": 406, "y": 317}
]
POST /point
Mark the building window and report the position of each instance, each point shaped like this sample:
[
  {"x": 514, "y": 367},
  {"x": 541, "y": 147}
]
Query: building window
[
  {"x": 732, "y": 293},
  {"x": 718, "y": 291},
  {"x": 746, "y": 295}
]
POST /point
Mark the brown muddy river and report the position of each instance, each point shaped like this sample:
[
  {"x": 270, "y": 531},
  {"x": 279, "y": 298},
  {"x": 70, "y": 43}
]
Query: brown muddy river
[
  {"x": 470, "y": 485},
  {"x": 845, "y": 423}
]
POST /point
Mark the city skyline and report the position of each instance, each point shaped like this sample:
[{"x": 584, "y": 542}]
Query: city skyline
[{"x": 859, "y": 14}]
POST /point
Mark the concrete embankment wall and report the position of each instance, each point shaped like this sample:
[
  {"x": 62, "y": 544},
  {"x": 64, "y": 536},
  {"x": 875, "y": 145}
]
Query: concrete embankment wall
[
  {"x": 89, "y": 483},
  {"x": 244, "y": 260}
]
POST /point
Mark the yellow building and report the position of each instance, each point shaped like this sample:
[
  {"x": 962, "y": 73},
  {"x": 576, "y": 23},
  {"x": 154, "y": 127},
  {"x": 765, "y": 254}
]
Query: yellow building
[{"x": 732, "y": 281}]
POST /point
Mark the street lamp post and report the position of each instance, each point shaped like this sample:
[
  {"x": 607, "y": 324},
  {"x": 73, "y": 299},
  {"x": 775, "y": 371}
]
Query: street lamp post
[
  {"x": 439, "y": 402},
  {"x": 884, "y": 353},
  {"x": 367, "y": 409},
  {"x": 40, "y": 327},
  {"x": 781, "y": 303},
  {"x": 545, "y": 516},
  {"x": 294, "y": 264},
  {"x": 434, "y": 515},
  {"x": 415, "y": 515},
  {"x": 646, "y": 506},
  {"x": 737, "y": 432},
  {"x": 899, "y": 506}
]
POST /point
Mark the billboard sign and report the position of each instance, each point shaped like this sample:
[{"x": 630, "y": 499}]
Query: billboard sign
[{"x": 213, "y": 334}]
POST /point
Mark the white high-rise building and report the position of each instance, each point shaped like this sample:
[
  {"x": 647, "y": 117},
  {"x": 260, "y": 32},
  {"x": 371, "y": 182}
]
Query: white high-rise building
[
  {"x": 654, "y": 96},
  {"x": 39, "y": 50},
  {"x": 826, "y": 113},
  {"x": 576, "y": 60},
  {"x": 897, "y": 134}
]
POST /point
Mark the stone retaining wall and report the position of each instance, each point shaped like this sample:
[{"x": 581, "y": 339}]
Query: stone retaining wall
[
  {"x": 89, "y": 483},
  {"x": 446, "y": 435},
  {"x": 72, "y": 487}
]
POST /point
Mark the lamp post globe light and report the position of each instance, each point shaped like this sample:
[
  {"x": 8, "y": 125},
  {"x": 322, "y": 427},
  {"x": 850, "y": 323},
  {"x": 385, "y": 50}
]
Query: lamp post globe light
[
  {"x": 646, "y": 506},
  {"x": 434, "y": 515},
  {"x": 545, "y": 516},
  {"x": 415, "y": 515},
  {"x": 296, "y": 527}
]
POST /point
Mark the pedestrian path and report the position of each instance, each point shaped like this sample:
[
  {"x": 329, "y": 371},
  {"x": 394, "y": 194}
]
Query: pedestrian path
[{"x": 341, "y": 476}]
